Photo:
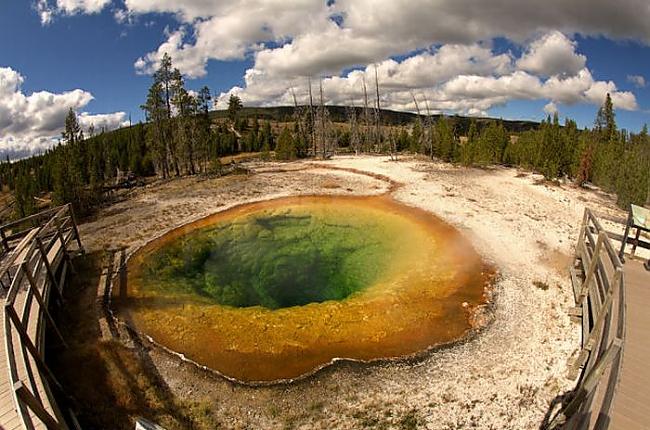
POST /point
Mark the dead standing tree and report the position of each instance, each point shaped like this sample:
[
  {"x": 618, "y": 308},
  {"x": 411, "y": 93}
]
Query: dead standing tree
[
  {"x": 423, "y": 137},
  {"x": 392, "y": 140},
  {"x": 312, "y": 139},
  {"x": 366, "y": 117},
  {"x": 430, "y": 129},
  {"x": 323, "y": 130},
  {"x": 377, "y": 135},
  {"x": 301, "y": 119},
  {"x": 355, "y": 135}
]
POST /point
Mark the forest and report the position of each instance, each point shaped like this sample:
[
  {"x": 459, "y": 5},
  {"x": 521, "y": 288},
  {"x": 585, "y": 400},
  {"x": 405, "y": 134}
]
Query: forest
[{"x": 182, "y": 136}]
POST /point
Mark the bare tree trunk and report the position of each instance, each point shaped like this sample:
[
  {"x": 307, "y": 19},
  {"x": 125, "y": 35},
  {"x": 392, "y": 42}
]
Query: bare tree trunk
[
  {"x": 354, "y": 128},
  {"x": 422, "y": 130},
  {"x": 429, "y": 125},
  {"x": 323, "y": 133},
  {"x": 366, "y": 113},
  {"x": 295, "y": 111},
  {"x": 377, "y": 112},
  {"x": 311, "y": 119}
]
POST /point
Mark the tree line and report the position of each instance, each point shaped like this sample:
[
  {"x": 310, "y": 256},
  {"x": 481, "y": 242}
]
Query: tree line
[{"x": 180, "y": 138}]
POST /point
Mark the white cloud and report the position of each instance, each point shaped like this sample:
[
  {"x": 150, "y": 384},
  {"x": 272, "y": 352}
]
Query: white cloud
[
  {"x": 310, "y": 43},
  {"x": 104, "y": 121},
  {"x": 553, "y": 54},
  {"x": 449, "y": 60},
  {"x": 32, "y": 123},
  {"x": 418, "y": 73},
  {"x": 466, "y": 79},
  {"x": 551, "y": 108},
  {"x": 44, "y": 11},
  {"x": 292, "y": 39},
  {"x": 523, "y": 86},
  {"x": 227, "y": 30},
  {"x": 637, "y": 80},
  {"x": 47, "y": 9}
]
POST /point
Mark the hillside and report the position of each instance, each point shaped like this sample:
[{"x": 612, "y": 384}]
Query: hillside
[{"x": 388, "y": 117}]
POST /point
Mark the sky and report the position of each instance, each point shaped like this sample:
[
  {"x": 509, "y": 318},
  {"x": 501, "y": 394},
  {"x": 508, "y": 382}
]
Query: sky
[{"x": 511, "y": 59}]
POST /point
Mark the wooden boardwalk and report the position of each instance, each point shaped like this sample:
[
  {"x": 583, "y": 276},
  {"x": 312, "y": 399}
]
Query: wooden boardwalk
[
  {"x": 631, "y": 410},
  {"x": 34, "y": 263}
]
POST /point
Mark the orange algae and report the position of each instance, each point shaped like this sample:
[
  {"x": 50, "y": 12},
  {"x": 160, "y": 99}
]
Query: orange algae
[{"x": 432, "y": 281}]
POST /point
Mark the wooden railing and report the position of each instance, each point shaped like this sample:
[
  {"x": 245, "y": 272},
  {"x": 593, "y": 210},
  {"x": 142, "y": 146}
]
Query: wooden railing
[
  {"x": 599, "y": 290},
  {"x": 35, "y": 264},
  {"x": 13, "y": 232}
]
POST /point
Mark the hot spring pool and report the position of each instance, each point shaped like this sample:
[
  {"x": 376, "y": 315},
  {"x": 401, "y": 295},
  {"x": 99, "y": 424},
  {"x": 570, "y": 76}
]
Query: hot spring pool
[{"x": 275, "y": 290}]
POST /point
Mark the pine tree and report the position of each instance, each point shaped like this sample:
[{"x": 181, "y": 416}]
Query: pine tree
[
  {"x": 609, "y": 149},
  {"x": 184, "y": 131},
  {"x": 286, "y": 149},
  {"x": 234, "y": 106},
  {"x": 468, "y": 151},
  {"x": 445, "y": 145},
  {"x": 164, "y": 76},
  {"x": 610, "y": 119},
  {"x": 156, "y": 113},
  {"x": 491, "y": 144},
  {"x": 267, "y": 137},
  {"x": 24, "y": 193},
  {"x": 203, "y": 125}
]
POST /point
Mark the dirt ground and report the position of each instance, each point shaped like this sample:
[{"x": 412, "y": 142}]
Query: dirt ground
[{"x": 502, "y": 378}]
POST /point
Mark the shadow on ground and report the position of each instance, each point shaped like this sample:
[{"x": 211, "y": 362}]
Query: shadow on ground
[{"x": 111, "y": 384}]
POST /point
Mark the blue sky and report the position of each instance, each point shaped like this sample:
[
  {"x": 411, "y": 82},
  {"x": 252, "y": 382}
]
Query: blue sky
[
  {"x": 94, "y": 53},
  {"x": 510, "y": 67},
  {"x": 607, "y": 60}
]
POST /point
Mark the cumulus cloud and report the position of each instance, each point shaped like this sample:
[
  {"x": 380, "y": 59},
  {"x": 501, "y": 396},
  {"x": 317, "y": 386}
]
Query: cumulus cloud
[
  {"x": 102, "y": 121},
  {"x": 398, "y": 79},
  {"x": 467, "y": 79},
  {"x": 31, "y": 123},
  {"x": 306, "y": 40},
  {"x": 449, "y": 60},
  {"x": 227, "y": 30},
  {"x": 443, "y": 47},
  {"x": 553, "y": 54},
  {"x": 637, "y": 80},
  {"x": 47, "y": 9},
  {"x": 551, "y": 108}
]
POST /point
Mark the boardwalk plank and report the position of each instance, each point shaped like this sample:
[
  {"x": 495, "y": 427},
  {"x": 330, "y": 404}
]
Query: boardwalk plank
[
  {"x": 632, "y": 403},
  {"x": 9, "y": 415}
]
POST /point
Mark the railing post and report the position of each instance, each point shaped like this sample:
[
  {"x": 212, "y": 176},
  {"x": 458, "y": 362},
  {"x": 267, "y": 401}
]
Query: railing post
[
  {"x": 595, "y": 259},
  {"x": 74, "y": 226},
  {"x": 27, "y": 341},
  {"x": 621, "y": 253},
  {"x": 588, "y": 383},
  {"x": 41, "y": 301},
  {"x": 583, "y": 227},
  {"x": 46, "y": 262},
  {"x": 59, "y": 234},
  {"x": 25, "y": 396}
]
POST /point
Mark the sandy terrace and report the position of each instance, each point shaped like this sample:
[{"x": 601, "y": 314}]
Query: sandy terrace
[{"x": 502, "y": 378}]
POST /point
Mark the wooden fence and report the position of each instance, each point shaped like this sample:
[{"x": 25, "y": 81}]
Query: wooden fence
[
  {"x": 599, "y": 290},
  {"x": 34, "y": 265}
]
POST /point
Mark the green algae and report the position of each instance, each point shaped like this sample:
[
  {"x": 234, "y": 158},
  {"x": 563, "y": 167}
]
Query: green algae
[{"x": 276, "y": 258}]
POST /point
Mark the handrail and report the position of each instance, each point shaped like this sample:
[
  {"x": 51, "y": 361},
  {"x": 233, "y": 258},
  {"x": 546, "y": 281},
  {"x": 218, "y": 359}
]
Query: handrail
[
  {"x": 599, "y": 291},
  {"x": 31, "y": 269}
]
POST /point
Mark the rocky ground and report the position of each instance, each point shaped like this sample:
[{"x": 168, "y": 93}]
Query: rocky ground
[{"x": 502, "y": 378}]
